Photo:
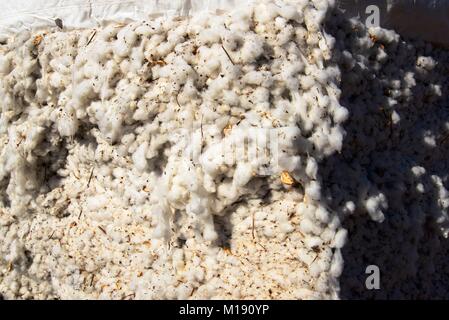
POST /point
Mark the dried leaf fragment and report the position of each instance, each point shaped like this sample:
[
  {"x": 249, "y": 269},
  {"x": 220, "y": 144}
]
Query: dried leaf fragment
[
  {"x": 287, "y": 179},
  {"x": 37, "y": 40},
  {"x": 59, "y": 23},
  {"x": 227, "y": 129},
  {"x": 157, "y": 63},
  {"x": 227, "y": 250}
]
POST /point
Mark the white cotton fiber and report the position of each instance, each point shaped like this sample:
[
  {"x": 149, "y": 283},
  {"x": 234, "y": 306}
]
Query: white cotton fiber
[{"x": 189, "y": 157}]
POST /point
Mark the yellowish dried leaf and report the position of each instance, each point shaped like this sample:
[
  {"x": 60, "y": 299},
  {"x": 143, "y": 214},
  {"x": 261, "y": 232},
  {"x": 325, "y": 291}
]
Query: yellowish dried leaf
[
  {"x": 37, "y": 40},
  {"x": 157, "y": 62},
  {"x": 227, "y": 129},
  {"x": 287, "y": 179},
  {"x": 227, "y": 250}
]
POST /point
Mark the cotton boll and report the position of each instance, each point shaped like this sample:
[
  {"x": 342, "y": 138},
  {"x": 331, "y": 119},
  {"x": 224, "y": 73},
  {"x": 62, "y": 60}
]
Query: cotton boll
[
  {"x": 336, "y": 138},
  {"x": 289, "y": 164},
  {"x": 285, "y": 35},
  {"x": 313, "y": 242},
  {"x": 5, "y": 64},
  {"x": 83, "y": 90},
  {"x": 67, "y": 125},
  {"x": 307, "y": 226},
  {"x": 337, "y": 264},
  {"x": 177, "y": 193},
  {"x": 209, "y": 233},
  {"x": 418, "y": 171},
  {"x": 128, "y": 35},
  {"x": 183, "y": 291},
  {"x": 209, "y": 183},
  {"x": 144, "y": 30},
  {"x": 311, "y": 168},
  {"x": 349, "y": 207},
  {"x": 341, "y": 114},
  {"x": 258, "y": 78},
  {"x": 96, "y": 202},
  {"x": 314, "y": 269},
  {"x": 306, "y": 82},
  {"x": 139, "y": 158},
  {"x": 307, "y": 210},
  {"x": 313, "y": 190},
  {"x": 162, "y": 229},
  {"x": 322, "y": 215},
  {"x": 56, "y": 80},
  {"x": 252, "y": 48},
  {"x": 340, "y": 238},
  {"x": 327, "y": 235},
  {"x": 287, "y": 227},
  {"x": 264, "y": 13},
  {"x": 427, "y": 63},
  {"x": 269, "y": 232},
  {"x": 211, "y": 160},
  {"x": 243, "y": 173},
  {"x": 374, "y": 205},
  {"x": 121, "y": 49},
  {"x": 289, "y": 13},
  {"x": 230, "y": 98}
]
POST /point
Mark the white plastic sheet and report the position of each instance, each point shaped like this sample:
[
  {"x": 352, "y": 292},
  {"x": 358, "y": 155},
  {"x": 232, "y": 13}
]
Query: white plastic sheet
[
  {"x": 20, "y": 15},
  {"x": 425, "y": 19}
]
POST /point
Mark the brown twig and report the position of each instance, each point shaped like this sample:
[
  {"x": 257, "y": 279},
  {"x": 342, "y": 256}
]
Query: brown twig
[
  {"x": 20, "y": 141},
  {"x": 176, "y": 97},
  {"x": 265, "y": 249},
  {"x": 91, "y": 37},
  {"x": 201, "y": 128},
  {"x": 90, "y": 177},
  {"x": 129, "y": 295},
  {"x": 252, "y": 231},
  {"x": 102, "y": 230},
  {"x": 229, "y": 57}
]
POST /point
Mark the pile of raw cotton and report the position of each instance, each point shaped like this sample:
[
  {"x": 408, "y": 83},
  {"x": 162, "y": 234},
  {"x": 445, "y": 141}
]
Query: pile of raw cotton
[
  {"x": 217, "y": 156},
  {"x": 395, "y": 151}
]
